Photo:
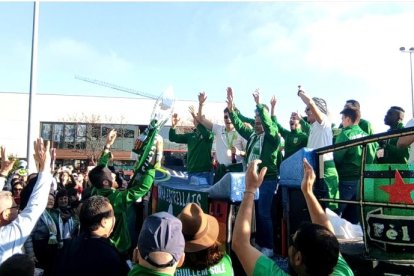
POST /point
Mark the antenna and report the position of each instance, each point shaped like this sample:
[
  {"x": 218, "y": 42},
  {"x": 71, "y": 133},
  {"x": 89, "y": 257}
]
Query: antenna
[{"x": 116, "y": 87}]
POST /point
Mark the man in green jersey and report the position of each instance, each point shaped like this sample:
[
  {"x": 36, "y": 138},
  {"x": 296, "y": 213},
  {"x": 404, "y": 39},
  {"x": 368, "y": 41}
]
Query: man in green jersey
[
  {"x": 313, "y": 249},
  {"x": 295, "y": 138},
  {"x": 199, "y": 143},
  {"x": 389, "y": 153},
  {"x": 103, "y": 181},
  {"x": 348, "y": 162}
]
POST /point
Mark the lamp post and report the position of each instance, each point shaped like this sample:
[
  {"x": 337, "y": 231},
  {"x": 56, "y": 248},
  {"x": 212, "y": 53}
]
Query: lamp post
[{"x": 410, "y": 51}]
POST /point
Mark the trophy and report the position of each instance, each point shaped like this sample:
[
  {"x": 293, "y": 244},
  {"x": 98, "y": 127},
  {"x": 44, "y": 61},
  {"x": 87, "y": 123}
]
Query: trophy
[{"x": 145, "y": 144}]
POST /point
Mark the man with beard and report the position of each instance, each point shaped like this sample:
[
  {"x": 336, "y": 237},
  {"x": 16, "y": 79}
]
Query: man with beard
[
  {"x": 295, "y": 138},
  {"x": 320, "y": 135},
  {"x": 389, "y": 152},
  {"x": 313, "y": 249}
]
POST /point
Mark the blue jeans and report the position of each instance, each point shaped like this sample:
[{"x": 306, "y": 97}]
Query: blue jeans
[
  {"x": 348, "y": 190},
  {"x": 263, "y": 209},
  {"x": 204, "y": 178}
]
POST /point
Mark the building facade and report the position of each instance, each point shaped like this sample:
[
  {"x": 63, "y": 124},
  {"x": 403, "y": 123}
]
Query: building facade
[{"x": 77, "y": 125}]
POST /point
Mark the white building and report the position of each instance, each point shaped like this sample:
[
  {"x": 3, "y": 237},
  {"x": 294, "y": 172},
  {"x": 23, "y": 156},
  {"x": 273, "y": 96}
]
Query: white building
[{"x": 64, "y": 119}]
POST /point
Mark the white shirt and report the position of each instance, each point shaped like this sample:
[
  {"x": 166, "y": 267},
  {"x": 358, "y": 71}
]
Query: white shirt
[
  {"x": 411, "y": 149},
  {"x": 224, "y": 141},
  {"x": 321, "y": 136},
  {"x": 13, "y": 235}
]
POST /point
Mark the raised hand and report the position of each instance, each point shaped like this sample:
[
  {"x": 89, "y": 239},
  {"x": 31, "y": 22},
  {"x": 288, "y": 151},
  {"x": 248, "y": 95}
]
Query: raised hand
[
  {"x": 229, "y": 92},
  {"x": 273, "y": 101},
  {"x": 42, "y": 155},
  {"x": 229, "y": 101},
  {"x": 254, "y": 180},
  {"x": 202, "y": 97},
  {"x": 6, "y": 165},
  {"x": 256, "y": 96},
  {"x": 110, "y": 138},
  {"x": 174, "y": 120},
  {"x": 308, "y": 178}
]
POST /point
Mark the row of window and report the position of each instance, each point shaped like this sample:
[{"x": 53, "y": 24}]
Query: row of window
[
  {"x": 87, "y": 135},
  {"x": 92, "y": 136}
]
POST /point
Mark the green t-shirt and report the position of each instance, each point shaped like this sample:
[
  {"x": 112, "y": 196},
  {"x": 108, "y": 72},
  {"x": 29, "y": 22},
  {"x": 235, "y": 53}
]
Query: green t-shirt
[
  {"x": 143, "y": 271},
  {"x": 266, "y": 266},
  {"x": 223, "y": 268}
]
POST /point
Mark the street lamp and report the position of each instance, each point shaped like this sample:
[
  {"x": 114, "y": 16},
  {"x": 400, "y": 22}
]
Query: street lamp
[{"x": 410, "y": 51}]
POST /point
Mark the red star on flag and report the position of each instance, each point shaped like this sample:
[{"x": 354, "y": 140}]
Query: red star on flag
[{"x": 399, "y": 192}]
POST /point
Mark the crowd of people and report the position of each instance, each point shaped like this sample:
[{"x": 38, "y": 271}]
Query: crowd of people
[{"x": 67, "y": 222}]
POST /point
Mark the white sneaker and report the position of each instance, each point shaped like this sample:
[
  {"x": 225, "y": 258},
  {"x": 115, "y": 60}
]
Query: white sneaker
[{"x": 267, "y": 252}]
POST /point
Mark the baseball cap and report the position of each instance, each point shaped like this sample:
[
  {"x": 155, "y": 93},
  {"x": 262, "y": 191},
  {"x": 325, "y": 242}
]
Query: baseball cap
[{"x": 161, "y": 232}]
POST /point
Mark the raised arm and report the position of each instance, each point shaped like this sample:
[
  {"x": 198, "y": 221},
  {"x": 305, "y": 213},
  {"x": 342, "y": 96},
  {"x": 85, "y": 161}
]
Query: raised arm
[
  {"x": 106, "y": 154},
  {"x": 28, "y": 217},
  {"x": 311, "y": 104},
  {"x": 269, "y": 127},
  {"x": 5, "y": 167},
  {"x": 316, "y": 212},
  {"x": 201, "y": 119},
  {"x": 273, "y": 102},
  {"x": 172, "y": 135},
  {"x": 247, "y": 253}
]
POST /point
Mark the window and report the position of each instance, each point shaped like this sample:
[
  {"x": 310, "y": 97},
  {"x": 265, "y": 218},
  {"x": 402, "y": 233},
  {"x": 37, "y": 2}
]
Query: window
[
  {"x": 46, "y": 131},
  {"x": 57, "y": 136}
]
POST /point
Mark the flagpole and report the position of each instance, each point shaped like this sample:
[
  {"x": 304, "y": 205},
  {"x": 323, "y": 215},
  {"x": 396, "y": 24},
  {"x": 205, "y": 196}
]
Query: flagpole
[{"x": 33, "y": 87}]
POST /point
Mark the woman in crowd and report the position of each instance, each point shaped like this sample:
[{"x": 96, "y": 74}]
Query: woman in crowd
[{"x": 65, "y": 217}]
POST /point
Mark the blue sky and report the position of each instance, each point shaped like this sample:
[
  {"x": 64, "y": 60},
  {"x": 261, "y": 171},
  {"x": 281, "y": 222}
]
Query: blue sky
[{"x": 336, "y": 50}]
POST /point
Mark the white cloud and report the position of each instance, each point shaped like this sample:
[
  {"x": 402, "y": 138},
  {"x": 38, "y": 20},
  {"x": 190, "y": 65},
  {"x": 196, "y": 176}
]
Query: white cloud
[
  {"x": 65, "y": 57},
  {"x": 353, "y": 43}
]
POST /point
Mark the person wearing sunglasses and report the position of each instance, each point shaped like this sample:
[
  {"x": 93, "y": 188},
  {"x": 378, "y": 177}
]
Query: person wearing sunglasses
[{"x": 230, "y": 145}]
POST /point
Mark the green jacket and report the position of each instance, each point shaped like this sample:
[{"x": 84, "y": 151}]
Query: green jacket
[
  {"x": 199, "y": 143},
  {"x": 270, "y": 143},
  {"x": 392, "y": 153},
  {"x": 364, "y": 125},
  {"x": 348, "y": 161},
  {"x": 120, "y": 200},
  {"x": 294, "y": 139}
]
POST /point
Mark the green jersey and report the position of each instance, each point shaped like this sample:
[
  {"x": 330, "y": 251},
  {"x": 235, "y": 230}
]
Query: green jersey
[
  {"x": 262, "y": 146},
  {"x": 199, "y": 143},
  {"x": 120, "y": 200},
  {"x": 348, "y": 161},
  {"x": 223, "y": 268},
  {"x": 266, "y": 266},
  {"x": 294, "y": 139},
  {"x": 138, "y": 270},
  {"x": 392, "y": 153}
]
